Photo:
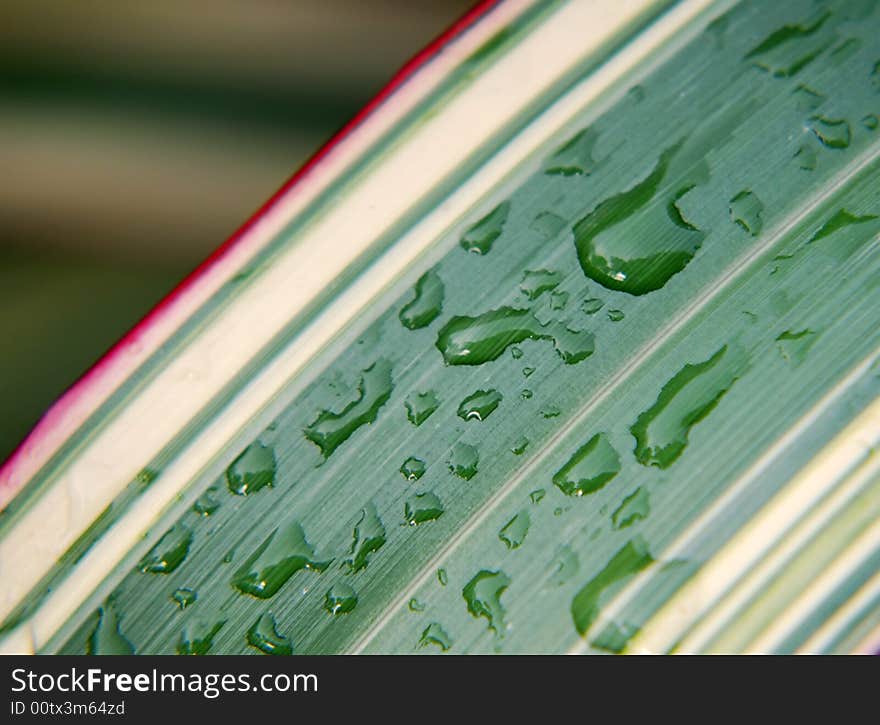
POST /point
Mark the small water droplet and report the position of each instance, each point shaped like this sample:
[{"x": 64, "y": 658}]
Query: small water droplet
[
  {"x": 442, "y": 577},
  {"x": 435, "y": 635},
  {"x": 464, "y": 461},
  {"x": 745, "y": 211},
  {"x": 367, "y": 538},
  {"x": 614, "y": 638},
  {"x": 207, "y": 503},
  {"x": 422, "y": 507},
  {"x": 415, "y": 605},
  {"x": 341, "y": 598},
  {"x": 479, "y": 405},
  {"x": 551, "y": 411},
  {"x": 265, "y": 637},
  {"x": 107, "y": 638},
  {"x": 591, "y": 306},
  {"x": 420, "y": 406},
  {"x": 564, "y": 566},
  {"x": 794, "y": 345},
  {"x": 169, "y": 552},
  {"x": 806, "y": 157},
  {"x": 514, "y": 532},
  {"x": 252, "y": 470},
  {"x": 184, "y": 597},
  {"x": 483, "y": 597},
  {"x": 662, "y": 431},
  {"x": 630, "y": 559},
  {"x": 871, "y": 122},
  {"x": 520, "y": 445},
  {"x": 146, "y": 476},
  {"x": 832, "y": 133},
  {"x": 547, "y": 224},
  {"x": 806, "y": 99},
  {"x": 330, "y": 430},
  {"x": 634, "y": 507},
  {"x": 283, "y": 553},
  {"x": 426, "y": 304},
  {"x": 197, "y": 636},
  {"x": 516, "y": 352},
  {"x": 413, "y": 468},
  {"x": 537, "y": 495},
  {"x": 477, "y": 340},
  {"x": 615, "y": 315},
  {"x": 558, "y": 300},
  {"x": 840, "y": 220},
  {"x": 229, "y": 556},
  {"x": 526, "y": 394},
  {"x": 558, "y": 511},
  {"x": 590, "y": 467},
  {"x": 537, "y": 282},
  {"x": 791, "y": 48},
  {"x": 575, "y": 157},
  {"x": 527, "y": 371},
  {"x": 481, "y": 236}
]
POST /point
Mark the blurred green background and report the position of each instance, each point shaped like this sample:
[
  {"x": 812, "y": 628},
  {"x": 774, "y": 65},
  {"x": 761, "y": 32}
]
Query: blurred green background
[{"x": 136, "y": 136}]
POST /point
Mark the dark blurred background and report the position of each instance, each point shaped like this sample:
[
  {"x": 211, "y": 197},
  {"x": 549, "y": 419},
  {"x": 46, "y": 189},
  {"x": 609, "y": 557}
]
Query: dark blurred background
[{"x": 136, "y": 136}]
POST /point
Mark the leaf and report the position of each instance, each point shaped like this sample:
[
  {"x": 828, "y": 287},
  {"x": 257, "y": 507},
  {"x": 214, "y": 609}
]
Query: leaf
[{"x": 452, "y": 451}]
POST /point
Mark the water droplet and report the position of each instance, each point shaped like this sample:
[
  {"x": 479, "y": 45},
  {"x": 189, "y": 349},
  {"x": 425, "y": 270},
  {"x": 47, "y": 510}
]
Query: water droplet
[
  {"x": 434, "y": 634},
  {"x": 264, "y": 636},
  {"x": 832, "y": 133},
  {"x": 169, "y": 552},
  {"x": 427, "y": 303},
  {"x": 483, "y": 597},
  {"x": 840, "y": 220},
  {"x": 479, "y": 405},
  {"x": 794, "y": 346},
  {"x": 537, "y": 495},
  {"x": 207, "y": 504},
  {"x": 420, "y": 406},
  {"x": 413, "y": 468},
  {"x": 806, "y": 99},
  {"x": 184, "y": 597},
  {"x": 637, "y": 93},
  {"x": 806, "y": 157},
  {"x": 558, "y": 511},
  {"x": 591, "y": 306},
  {"x": 520, "y": 445},
  {"x": 284, "y": 552},
  {"x": 558, "y": 300},
  {"x": 871, "y": 122},
  {"x": 476, "y": 340},
  {"x": 634, "y": 507},
  {"x": 107, "y": 639},
  {"x": 526, "y": 394},
  {"x": 415, "y": 605},
  {"x": 844, "y": 50},
  {"x": 614, "y": 638},
  {"x": 527, "y": 371},
  {"x": 252, "y": 470},
  {"x": 330, "y": 430},
  {"x": 229, "y": 556},
  {"x": 628, "y": 243},
  {"x": 590, "y": 467},
  {"x": 790, "y": 48},
  {"x": 422, "y": 507},
  {"x": 615, "y": 315},
  {"x": 535, "y": 283},
  {"x": 514, "y": 531},
  {"x": 661, "y": 432},
  {"x": 565, "y": 565},
  {"x": 480, "y": 237},
  {"x": 575, "y": 157},
  {"x": 551, "y": 411},
  {"x": 463, "y": 461},
  {"x": 198, "y": 634},
  {"x": 442, "y": 577},
  {"x": 367, "y": 538},
  {"x": 516, "y": 353},
  {"x": 547, "y": 224},
  {"x": 341, "y": 598},
  {"x": 745, "y": 210},
  {"x": 630, "y": 559},
  {"x": 146, "y": 476}
]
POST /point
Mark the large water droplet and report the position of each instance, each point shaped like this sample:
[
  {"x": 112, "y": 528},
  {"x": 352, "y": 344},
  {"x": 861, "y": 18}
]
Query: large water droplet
[
  {"x": 630, "y": 244},
  {"x": 422, "y": 507},
  {"x": 420, "y": 406},
  {"x": 634, "y": 507},
  {"x": 790, "y": 48},
  {"x": 169, "y": 552},
  {"x": 590, "y": 467},
  {"x": 661, "y": 432},
  {"x": 284, "y": 552},
  {"x": 252, "y": 470},
  {"x": 341, "y": 598},
  {"x": 367, "y": 538},
  {"x": 107, "y": 639},
  {"x": 464, "y": 461},
  {"x": 514, "y": 532},
  {"x": 537, "y": 282},
  {"x": 745, "y": 210},
  {"x": 480, "y": 237},
  {"x": 476, "y": 340},
  {"x": 265, "y": 637},
  {"x": 841, "y": 219},
  {"x": 435, "y": 635},
  {"x": 629, "y": 560},
  {"x": 483, "y": 597},
  {"x": 479, "y": 405},
  {"x": 330, "y": 430},
  {"x": 427, "y": 303}
]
